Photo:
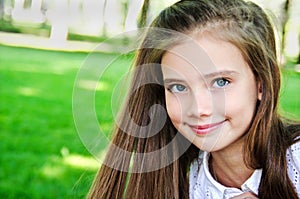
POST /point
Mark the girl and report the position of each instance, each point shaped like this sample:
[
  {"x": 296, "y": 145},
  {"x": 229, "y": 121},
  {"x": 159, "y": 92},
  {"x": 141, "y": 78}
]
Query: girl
[{"x": 212, "y": 65}]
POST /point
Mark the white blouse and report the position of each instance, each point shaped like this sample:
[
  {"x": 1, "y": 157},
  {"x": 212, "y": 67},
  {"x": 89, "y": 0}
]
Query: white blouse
[{"x": 204, "y": 186}]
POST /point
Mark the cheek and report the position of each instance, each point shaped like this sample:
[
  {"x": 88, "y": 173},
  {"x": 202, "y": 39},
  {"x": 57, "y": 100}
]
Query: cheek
[
  {"x": 174, "y": 109},
  {"x": 241, "y": 105}
]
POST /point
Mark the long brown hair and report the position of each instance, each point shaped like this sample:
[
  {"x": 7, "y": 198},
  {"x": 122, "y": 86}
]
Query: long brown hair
[{"x": 127, "y": 173}]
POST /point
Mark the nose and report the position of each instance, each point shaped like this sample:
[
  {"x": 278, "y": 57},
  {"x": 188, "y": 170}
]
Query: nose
[{"x": 201, "y": 104}]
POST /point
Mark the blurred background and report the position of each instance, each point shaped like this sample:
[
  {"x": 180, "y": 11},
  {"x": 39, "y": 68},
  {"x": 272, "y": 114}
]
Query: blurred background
[{"x": 43, "y": 43}]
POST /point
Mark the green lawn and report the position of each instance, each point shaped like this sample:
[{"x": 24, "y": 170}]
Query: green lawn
[
  {"x": 290, "y": 94},
  {"x": 42, "y": 155}
]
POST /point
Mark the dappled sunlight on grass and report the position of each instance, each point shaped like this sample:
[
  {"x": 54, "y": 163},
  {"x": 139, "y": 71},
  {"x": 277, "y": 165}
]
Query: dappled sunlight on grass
[
  {"x": 93, "y": 85},
  {"x": 40, "y": 62},
  {"x": 28, "y": 91},
  {"x": 30, "y": 69},
  {"x": 53, "y": 171},
  {"x": 81, "y": 162},
  {"x": 57, "y": 166},
  {"x": 78, "y": 161},
  {"x": 40, "y": 147}
]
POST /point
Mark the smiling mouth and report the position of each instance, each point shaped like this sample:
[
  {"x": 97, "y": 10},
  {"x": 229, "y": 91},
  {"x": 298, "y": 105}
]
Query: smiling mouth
[{"x": 206, "y": 128}]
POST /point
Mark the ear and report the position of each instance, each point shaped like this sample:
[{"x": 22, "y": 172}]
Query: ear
[{"x": 259, "y": 91}]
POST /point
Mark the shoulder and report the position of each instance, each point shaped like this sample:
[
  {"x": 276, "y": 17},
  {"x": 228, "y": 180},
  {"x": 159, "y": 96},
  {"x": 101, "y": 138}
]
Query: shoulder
[{"x": 293, "y": 164}]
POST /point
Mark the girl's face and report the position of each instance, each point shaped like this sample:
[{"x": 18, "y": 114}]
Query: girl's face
[{"x": 211, "y": 92}]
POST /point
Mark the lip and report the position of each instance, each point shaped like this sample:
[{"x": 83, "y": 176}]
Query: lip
[{"x": 206, "y": 128}]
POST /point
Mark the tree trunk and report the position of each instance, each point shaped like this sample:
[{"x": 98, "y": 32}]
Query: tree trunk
[
  {"x": 142, "y": 22},
  {"x": 298, "y": 61},
  {"x": 285, "y": 17},
  {"x": 104, "y": 28},
  {"x": 1, "y": 9}
]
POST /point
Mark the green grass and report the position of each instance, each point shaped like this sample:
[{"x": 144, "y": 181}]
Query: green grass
[
  {"x": 42, "y": 155},
  {"x": 290, "y": 94}
]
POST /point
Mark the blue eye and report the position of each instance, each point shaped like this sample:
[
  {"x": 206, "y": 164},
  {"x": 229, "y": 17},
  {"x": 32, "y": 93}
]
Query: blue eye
[
  {"x": 177, "y": 88},
  {"x": 220, "y": 83}
]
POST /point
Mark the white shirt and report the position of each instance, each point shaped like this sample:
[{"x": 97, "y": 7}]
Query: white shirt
[{"x": 204, "y": 186}]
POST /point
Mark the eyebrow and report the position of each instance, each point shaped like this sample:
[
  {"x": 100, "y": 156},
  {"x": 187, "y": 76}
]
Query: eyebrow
[
  {"x": 206, "y": 76},
  {"x": 220, "y": 73},
  {"x": 171, "y": 80}
]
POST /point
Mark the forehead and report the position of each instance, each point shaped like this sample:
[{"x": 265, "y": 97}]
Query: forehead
[{"x": 203, "y": 55}]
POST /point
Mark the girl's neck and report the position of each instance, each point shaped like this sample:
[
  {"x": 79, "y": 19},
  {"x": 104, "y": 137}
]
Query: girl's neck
[{"x": 228, "y": 168}]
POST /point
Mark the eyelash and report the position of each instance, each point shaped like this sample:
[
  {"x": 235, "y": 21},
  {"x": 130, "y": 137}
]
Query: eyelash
[
  {"x": 215, "y": 81},
  {"x": 213, "y": 85},
  {"x": 172, "y": 86}
]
